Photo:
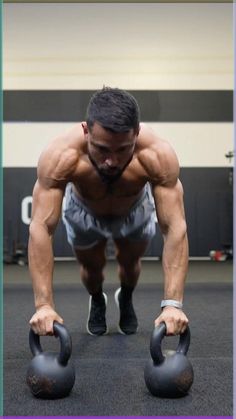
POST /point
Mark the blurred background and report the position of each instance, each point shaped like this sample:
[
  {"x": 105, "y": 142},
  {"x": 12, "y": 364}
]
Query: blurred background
[{"x": 176, "y": 59}]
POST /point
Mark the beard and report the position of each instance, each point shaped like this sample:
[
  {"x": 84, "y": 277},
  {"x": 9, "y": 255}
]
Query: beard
[{"x": 109, "y": 176}]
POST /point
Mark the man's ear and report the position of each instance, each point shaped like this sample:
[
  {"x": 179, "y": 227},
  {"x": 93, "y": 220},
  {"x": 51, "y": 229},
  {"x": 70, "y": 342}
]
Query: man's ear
[
  {"x": 138, "y": 130},
  {"x": 85, "y": 128}
]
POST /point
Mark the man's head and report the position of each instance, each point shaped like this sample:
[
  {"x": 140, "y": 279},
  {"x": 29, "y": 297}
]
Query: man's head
[
  {"x": 113, "y": 109},
  {"x": 111, "y": 129}
]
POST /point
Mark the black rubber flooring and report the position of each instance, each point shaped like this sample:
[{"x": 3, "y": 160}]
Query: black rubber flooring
[{"x": 109, "y": 369}]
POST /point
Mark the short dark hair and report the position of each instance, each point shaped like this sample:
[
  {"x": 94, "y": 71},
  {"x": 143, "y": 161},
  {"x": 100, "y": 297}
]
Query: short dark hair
[{"x": 114, "y": 109}]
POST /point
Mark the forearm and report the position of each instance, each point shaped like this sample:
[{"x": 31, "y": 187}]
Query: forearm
[
  {"x": 41, "y": 264},
  {"x": 175, "y": 264}
]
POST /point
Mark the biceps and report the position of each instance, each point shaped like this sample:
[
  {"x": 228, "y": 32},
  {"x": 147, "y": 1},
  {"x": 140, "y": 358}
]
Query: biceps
[{"x": 46, "y": 206}]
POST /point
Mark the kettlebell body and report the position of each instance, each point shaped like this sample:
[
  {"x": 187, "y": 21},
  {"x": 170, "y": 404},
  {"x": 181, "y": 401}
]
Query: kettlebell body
[
  {"x": 49, "y": 375},
  {"x": 169, "y": 376}
]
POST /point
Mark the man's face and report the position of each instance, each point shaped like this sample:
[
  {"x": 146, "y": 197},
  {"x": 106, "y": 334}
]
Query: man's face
[{"x": 110, "y": 152}]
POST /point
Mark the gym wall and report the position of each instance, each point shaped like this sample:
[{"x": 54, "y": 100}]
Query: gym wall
[{"x": 177, "y": 60}]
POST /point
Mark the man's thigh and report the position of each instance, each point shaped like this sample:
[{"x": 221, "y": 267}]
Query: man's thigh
[{"x": 93, "y": 257}]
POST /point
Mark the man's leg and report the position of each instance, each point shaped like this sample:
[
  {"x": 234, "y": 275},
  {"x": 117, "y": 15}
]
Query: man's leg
[
  {"x": 92, "y": 262},
  {"x": 128, "y": 254}
]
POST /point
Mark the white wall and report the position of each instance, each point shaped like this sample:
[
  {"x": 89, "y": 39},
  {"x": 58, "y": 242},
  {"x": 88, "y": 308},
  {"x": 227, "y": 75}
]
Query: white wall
[
  {"x": 132, "y": 46},
  {"x": 197, "y": 145}
]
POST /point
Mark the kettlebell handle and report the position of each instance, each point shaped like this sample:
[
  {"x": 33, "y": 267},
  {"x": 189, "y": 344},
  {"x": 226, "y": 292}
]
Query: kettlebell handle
[
  {"x": 65, "y": 341},
  {"x": 155, "y": 344}
]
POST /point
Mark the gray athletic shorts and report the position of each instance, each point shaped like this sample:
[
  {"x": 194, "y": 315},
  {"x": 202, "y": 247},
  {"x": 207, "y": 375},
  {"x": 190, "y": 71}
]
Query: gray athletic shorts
[{"x": 84, "y": 229}]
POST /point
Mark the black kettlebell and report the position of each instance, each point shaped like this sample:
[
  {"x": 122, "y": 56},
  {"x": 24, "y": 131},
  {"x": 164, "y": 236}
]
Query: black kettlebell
[
  {"x": 49, "y": 376},
  {"x": 171, "y": 375}
]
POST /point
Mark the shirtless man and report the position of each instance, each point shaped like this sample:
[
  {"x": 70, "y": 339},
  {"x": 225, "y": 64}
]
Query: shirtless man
[{"x": 109, "y": 168}]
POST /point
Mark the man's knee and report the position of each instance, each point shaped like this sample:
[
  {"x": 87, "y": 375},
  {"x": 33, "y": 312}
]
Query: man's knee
[
  {"x": 93, "y": 265},
  {"x": 127, "y": 260}
]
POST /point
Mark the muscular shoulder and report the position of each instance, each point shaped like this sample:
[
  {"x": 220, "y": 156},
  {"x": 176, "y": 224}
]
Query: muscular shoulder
[
  {"x": 157, "y": 157},
  {"x": 60, "y": 158}
]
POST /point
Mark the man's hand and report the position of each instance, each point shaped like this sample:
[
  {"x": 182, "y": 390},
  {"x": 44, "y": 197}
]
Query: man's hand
[
  {"x": 175, "y": 320},
  {"x": 42, "y": 320}
]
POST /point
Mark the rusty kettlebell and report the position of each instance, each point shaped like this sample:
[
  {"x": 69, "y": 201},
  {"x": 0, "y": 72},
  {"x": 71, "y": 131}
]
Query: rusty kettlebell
[
  {"x": 169, "y": 375},
  {"x": 49, "y": 375}
]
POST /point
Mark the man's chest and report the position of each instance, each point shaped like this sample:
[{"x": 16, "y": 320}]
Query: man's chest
[{"x": 90, "y": 185}]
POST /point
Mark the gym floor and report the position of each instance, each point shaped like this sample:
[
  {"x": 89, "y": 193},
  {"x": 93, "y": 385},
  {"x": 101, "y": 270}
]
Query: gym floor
[{"x": 109, "y": 369}]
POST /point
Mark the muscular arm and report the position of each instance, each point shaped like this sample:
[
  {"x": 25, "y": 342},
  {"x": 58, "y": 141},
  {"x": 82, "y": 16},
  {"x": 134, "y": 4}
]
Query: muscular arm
[
  {"x": 170, "y": 213},
  {"x": 161, "y": 165},
  {"x": 168, "y": 195},
  {"x": 54, "y": 171},
  {"x": 46, "y": 211}
]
